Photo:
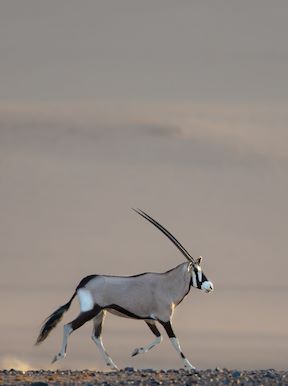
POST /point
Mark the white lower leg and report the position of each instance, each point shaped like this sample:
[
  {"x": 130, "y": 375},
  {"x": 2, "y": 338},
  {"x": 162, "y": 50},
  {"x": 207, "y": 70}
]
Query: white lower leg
[
  {"x": 67, "y": 331},
  {"x": 176, "y": 345},
  {"x": 107, "y": 358},
  {"x": 148, "y": 347}
]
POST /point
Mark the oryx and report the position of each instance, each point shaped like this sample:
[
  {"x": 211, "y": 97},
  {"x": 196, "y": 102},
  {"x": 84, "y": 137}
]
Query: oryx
[{"x": 151, "y": 297}]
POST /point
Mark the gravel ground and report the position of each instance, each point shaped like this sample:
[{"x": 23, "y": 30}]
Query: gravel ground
[{"x": 130, "y": 376}]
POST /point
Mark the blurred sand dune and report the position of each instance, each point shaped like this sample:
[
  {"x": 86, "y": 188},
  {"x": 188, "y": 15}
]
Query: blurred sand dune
[
  {"x": 214, "y": 175},
  {"x": 179, "y": 108}
]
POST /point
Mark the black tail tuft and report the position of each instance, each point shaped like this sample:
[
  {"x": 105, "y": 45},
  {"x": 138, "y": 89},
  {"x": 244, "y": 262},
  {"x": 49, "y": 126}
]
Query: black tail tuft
[{"x": 52, "y": 321}]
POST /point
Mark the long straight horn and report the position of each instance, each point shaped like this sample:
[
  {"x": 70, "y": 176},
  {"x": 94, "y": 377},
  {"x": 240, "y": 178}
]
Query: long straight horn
[{"x": 166, "y": 233}]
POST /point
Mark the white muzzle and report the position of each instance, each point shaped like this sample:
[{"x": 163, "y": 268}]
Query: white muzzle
[{"x": 207, "y": 286}]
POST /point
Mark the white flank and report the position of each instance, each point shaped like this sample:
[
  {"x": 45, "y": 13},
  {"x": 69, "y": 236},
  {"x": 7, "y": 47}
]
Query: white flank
[{"x": 85, "y": 300}]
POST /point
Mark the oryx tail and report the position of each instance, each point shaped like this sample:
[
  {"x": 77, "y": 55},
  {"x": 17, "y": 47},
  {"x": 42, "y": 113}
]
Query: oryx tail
[{"x": 52, "y": 320}]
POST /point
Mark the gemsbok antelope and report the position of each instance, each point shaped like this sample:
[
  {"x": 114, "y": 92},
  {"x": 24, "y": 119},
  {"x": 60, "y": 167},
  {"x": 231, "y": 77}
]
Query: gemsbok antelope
[{"x": 151, "y": 297}]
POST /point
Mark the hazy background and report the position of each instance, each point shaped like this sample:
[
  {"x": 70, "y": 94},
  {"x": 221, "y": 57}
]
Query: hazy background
[{"x": 176, "y": 107}]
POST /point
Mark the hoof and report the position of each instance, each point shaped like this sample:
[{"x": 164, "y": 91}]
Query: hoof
[
  {"x": 189, "y": 367},
  {"x": 112, "y": 366},
  {"x": 58, "y": 356},
  {"x": 54, "y": 359},
  {"x": 135, "y": 352}
]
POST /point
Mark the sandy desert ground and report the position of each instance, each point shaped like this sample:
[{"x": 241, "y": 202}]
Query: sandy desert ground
[{"x": 132, "y": 376}]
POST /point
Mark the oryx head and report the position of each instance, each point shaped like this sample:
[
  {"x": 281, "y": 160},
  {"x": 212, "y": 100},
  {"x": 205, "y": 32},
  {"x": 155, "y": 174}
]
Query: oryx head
[{"x": 198, "y": 279}]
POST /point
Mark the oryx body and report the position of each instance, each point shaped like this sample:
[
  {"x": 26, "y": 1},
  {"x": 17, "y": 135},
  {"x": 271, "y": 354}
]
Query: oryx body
[
  {"x": 151, "y": 297},
  {"x": 144, "y": 296}
]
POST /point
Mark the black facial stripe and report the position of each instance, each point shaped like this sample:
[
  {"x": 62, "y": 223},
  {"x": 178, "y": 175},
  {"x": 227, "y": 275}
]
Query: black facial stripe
[
  {"x": 197, "y": 278},
  {"x": 204, "y": 278},
  {"x": 199, "y": 283}
]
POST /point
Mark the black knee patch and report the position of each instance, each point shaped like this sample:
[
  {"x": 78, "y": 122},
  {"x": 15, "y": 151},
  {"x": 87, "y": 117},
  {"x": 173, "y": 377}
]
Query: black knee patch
[
  {"x": 84, "y": 317},
  {"x": 98, "y": 330},
  {"x": 154, "y": 329},
  {"x": 168, "y": 329}
]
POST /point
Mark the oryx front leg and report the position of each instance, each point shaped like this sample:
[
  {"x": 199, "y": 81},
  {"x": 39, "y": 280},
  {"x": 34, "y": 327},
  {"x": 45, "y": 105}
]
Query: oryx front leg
[
  {"x": 175, "y": 342},
  {"x": 156, "y": 332},
  {"x": 96, "y": 337}
]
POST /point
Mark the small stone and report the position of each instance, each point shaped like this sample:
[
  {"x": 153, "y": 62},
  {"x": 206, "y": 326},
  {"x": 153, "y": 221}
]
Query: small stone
[
  {"x": 39, "y": 384},
  {"x": 129, "y": 369},
  {"x": 236, "y": 374},
  {"x": 270, "y": 374}
]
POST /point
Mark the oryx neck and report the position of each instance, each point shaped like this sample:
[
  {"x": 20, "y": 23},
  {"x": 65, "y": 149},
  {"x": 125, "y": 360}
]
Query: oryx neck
[{"x": 178, "y": 282}]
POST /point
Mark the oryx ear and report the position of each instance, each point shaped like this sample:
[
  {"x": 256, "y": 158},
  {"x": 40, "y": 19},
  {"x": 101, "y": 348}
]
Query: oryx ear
[
  {"x": 198, "y": 261},
  {"x": 190, "y": 266}
]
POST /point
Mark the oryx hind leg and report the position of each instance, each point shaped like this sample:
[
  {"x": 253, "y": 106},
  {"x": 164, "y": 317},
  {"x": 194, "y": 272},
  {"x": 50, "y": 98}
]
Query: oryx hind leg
[
  {"x": 96, "y": 337},
  {"x": 175, "y": 342},
  {"x": 62, "y": 353},
  {"x": 82, "y": 318},
  {"x": 152, "y": 325}
]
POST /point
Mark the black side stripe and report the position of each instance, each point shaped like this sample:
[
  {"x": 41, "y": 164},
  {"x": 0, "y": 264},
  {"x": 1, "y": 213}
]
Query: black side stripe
[{"x": 125, "y": 312}]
